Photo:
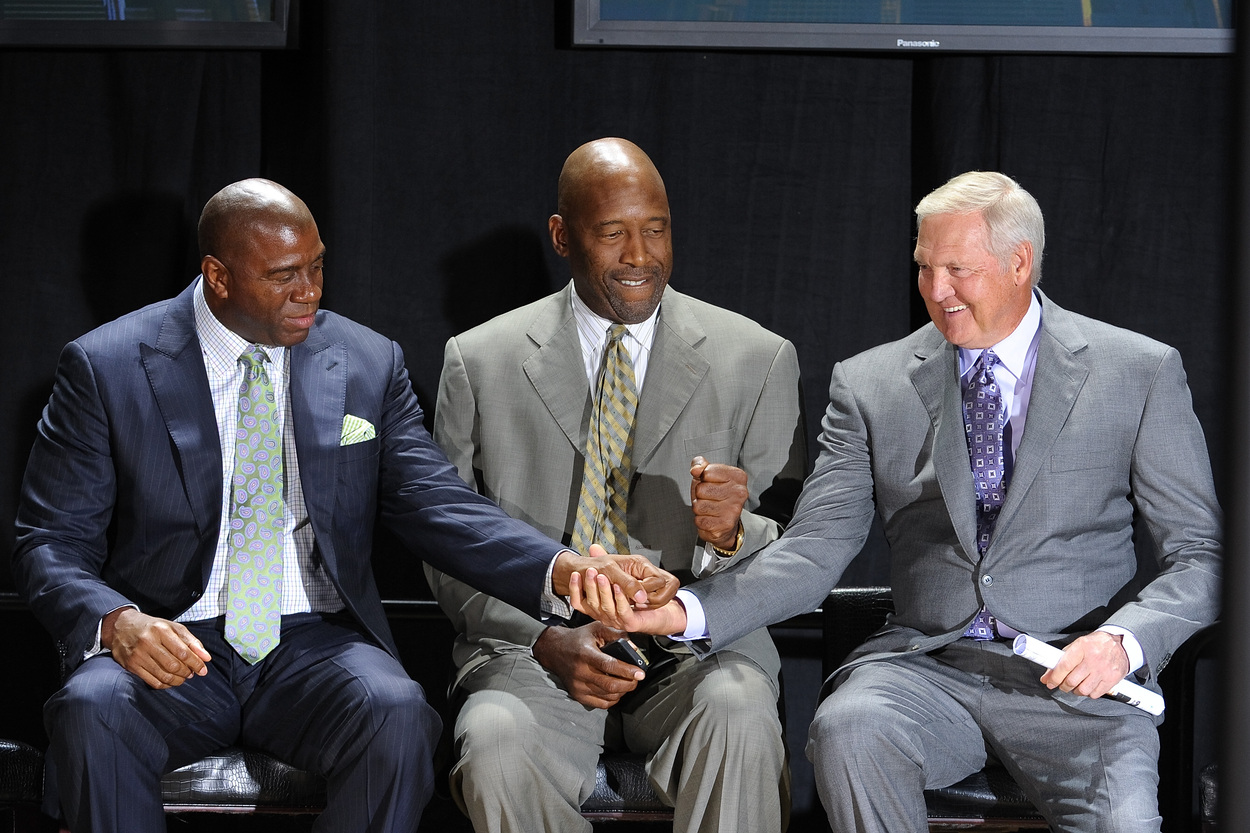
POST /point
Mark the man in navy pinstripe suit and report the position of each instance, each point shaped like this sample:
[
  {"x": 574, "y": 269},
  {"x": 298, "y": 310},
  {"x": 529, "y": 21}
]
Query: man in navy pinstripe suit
[{"x": 122, "y": 552}]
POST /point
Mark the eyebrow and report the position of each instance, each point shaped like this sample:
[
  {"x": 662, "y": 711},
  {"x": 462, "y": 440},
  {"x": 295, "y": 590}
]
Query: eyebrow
[
  {"x": 659, "y": 218},
  {"x": 290, "y": 267}
]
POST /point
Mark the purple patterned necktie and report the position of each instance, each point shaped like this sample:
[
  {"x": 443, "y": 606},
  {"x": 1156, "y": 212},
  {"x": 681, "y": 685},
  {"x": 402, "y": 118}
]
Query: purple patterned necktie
[
  {"x": 254, "y": 581},
  {"x": 984, "y": 420}
]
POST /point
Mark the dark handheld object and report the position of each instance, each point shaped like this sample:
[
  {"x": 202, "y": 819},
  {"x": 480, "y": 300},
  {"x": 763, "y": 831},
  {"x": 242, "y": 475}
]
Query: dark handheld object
[{"x": 625, "y": 650}]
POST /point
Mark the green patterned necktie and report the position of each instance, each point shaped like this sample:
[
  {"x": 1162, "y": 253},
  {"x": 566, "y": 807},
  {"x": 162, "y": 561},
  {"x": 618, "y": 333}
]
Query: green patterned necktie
[
  {"x": 254, "y": 581},
  {"x": 609, "y": 445}
]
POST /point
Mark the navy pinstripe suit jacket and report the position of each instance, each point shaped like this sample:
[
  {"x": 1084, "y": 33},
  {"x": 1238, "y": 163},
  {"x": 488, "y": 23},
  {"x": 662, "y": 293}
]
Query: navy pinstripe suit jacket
[{"x": 121, "y": 500}]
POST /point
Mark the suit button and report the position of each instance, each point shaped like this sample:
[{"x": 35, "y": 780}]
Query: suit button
[
  {"x": 987, "y": 580},
  {"x": 914, "y": 648}
]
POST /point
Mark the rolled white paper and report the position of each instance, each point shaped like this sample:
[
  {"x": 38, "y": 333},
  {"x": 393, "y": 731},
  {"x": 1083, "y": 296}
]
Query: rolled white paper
[{"x": 1035, "y": 650}]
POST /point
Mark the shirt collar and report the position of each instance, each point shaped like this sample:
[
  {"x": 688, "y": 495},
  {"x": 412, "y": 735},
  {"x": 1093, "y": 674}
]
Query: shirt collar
[
  {"x": 221, "y": 345},
  {"x": 590, "y": 322},
  {"x": 1013, "y": 350}
]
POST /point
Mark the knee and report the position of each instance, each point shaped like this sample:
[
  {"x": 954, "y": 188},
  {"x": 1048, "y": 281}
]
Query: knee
[
  {"x": 740, "y": 705},
  {"x": 400, "y": 719},
  {"x": 847, "y": 730},
  {"x": 496, "y": 741},
  {"x": 91, "y": 699}
]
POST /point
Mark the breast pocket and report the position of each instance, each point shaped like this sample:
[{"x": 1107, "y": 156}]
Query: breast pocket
[
  {"x": 359, "y": 451},
  {"x": 715, "y": 448},
  {"x": 1081, "y": 461}
]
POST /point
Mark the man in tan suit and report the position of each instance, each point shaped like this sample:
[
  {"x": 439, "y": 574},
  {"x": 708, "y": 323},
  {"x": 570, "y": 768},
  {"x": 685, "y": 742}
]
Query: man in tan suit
[{"x": 718, "y": 424}]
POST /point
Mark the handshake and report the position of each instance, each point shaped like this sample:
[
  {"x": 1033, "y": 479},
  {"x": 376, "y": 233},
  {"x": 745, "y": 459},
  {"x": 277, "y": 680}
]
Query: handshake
[{"x": 626, "y": 592}]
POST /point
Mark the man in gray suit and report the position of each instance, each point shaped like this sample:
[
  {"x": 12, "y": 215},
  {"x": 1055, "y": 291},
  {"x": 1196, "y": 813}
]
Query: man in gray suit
[
  {"x": 718, "y": 424},
  {"x": 1089, "y": 427}
]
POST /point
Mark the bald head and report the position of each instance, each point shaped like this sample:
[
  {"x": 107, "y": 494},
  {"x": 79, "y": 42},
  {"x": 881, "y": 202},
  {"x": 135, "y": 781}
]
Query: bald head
[
  {"x": 261, "y": 257},
  {"x": 603, "y": 159},
  {"x": 613, "y": 227},
  {"x": 232, "y": 215}
]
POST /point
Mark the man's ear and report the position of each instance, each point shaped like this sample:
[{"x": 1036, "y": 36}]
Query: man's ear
[
  {"x": 1022, "y": 263},
  {"x": 216, "y": 276},
  {"x": 559, "y": 235}
]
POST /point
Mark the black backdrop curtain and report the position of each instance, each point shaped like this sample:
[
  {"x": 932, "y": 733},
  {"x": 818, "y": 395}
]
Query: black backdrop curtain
[{"x": 427, "y": 138}]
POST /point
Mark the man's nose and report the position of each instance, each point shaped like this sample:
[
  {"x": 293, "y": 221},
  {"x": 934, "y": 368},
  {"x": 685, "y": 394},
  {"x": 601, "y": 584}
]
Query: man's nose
[
  {"x": 635, "y": 252},
  {"x": 307, "y": 291}
]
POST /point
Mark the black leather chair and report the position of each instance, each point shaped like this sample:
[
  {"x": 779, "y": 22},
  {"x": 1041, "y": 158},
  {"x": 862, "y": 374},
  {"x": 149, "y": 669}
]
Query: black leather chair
[
  {"x": 1209, "y": 798},
  {"x": 21, "y": 785},
  {"x": 237, "y": 780},
  {"x": 988, "y": 800}
]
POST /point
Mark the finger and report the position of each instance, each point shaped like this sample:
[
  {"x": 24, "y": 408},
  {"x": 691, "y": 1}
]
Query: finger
[
  {"x": 596, "y": 551},
  {"x": 590, "y": 591},
  {"x": 624, "y": 609},
  {"x": 720, "y": 473},
  {"x": 616, "y": 671},
  {"x": 697, "y": 466},
  {"x": 575, "y": 592},
  {"x": 630, "y": 585},
  {"x": 195, "y": 654}
]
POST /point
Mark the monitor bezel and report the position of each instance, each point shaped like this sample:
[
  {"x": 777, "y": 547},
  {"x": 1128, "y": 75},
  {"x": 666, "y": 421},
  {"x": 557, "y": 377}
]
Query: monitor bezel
[
  {"x": 276, "y": 33},
  {"x": 590, "y": 30}
]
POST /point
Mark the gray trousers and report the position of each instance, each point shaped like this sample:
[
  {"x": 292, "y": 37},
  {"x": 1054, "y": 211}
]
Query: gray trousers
[
  {"x": 892, "y": 729},
  {"x": 527, "y": 751}
]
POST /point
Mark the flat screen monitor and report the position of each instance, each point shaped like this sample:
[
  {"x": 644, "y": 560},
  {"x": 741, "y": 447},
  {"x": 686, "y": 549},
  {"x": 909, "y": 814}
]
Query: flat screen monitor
[
  {"x": 161, "y": 24},
  {"x": 916, "y": 26}
]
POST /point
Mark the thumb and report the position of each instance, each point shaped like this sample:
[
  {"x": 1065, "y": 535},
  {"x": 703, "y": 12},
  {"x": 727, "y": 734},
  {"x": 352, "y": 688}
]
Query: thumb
[{"x": 597, "y": 551}]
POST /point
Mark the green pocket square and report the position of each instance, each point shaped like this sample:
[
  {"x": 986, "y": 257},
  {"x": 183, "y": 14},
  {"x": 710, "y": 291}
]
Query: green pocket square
[{"x": 356, "y": 430}]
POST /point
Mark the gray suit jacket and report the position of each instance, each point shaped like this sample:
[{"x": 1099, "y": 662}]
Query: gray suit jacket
[
  {"x": 513, "y": 406},
  {"x": 1110, "y": 433}
]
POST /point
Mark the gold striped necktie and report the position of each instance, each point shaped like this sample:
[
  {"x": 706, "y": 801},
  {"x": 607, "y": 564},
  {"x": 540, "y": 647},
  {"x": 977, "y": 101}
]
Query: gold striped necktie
[{"x": 609, "y": 446}]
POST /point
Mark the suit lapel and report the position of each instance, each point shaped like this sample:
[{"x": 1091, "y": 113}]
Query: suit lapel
[
  {"x": 318, "y": 391},
  {"x": 936, "y": 381},
  {"x": 555, "y": 368},
  {"x": 1057, "y": 381},
  {"x": 675, "y": 369},
  {"x": 179, "y": 382}
]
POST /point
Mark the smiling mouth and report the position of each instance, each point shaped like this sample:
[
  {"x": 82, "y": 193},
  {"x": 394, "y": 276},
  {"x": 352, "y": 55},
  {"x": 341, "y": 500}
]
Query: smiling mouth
[{"x": 959, "y": 308}]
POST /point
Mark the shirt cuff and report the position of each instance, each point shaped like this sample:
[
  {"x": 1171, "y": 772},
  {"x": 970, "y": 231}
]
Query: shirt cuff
[
  {"x": 1136, "y": 657},
  {"x": 696, "y": 621},
  {"x": 708, "y": 560},
  {"x": 97, "y": 648},
  {"x": 549, "y": 603}
]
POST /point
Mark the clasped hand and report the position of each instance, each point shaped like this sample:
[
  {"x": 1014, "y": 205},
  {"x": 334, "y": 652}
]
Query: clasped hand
[{"x": 642, "y": 583}]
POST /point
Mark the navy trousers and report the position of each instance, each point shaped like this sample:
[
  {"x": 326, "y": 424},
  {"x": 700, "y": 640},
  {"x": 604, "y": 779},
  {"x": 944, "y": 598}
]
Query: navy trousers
[{"x": 327, "y": 699}]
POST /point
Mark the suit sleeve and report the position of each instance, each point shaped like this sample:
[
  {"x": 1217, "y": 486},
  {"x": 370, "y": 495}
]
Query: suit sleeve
[
  {"x": 481, "y": 618},
  {"x": 831, "y": 521},
  {"x": 1175, "y": 497},
  {"x": 450, "y": 525},
  {"x": 774, "y": 456},
  {"x": 67, "y": 501}
]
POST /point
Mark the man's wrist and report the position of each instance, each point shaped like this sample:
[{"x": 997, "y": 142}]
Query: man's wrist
[{"x": 730, "y": 553}]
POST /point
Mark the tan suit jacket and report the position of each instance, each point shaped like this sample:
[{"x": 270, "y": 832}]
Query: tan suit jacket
[{"x": 513, "y": 406}]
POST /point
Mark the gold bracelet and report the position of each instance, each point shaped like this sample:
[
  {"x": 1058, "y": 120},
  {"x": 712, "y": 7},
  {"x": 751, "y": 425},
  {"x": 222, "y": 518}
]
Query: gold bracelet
[{"x": 737, "y": 545}]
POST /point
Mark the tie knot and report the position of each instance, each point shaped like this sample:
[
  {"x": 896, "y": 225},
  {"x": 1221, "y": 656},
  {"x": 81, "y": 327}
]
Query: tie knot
[
  {"x": 985, "y": 364},
  {"x": 254, "y": 356},
  {"x": 616, "y": 332}
]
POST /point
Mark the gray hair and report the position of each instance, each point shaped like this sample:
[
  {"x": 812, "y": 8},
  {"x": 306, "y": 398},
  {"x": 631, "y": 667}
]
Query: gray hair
[{"x": 1011, "y": 214}]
